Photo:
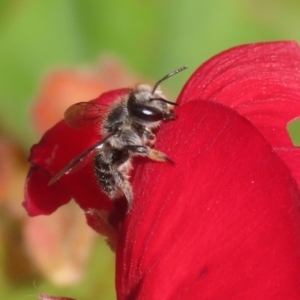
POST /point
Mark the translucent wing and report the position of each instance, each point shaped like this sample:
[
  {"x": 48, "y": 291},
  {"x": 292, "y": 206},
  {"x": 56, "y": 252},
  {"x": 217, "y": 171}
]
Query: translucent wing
[
  {"x": 83, "y": 114},
  {"x": 79, "y": 161}
]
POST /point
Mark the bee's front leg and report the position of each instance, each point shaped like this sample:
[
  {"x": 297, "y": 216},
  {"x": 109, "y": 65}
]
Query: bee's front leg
[{"x": 149, "y": 152}]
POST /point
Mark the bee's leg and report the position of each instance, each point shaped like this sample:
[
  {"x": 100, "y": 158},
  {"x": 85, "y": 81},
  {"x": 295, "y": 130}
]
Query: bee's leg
[
  {"x": 111, "y": 169},
  {"x": 120, "y": 167},
  {"x": 149, "y": 152},
  {"x": 124, "y": 185},
  {"x": 149, "y": 137},
  {"x": 146, "y": 134},
  {"x": 159, "y": 156}
]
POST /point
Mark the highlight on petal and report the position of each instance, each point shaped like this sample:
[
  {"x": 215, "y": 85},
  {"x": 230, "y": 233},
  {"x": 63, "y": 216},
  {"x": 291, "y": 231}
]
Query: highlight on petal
[
  {"x": 260, "y": 81},
  {"x": 222, "y": 223},
  {"x": 57, "y": 148}
]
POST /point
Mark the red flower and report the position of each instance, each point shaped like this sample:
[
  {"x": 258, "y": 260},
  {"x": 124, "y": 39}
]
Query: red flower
[{"x": 224, "y": 221}]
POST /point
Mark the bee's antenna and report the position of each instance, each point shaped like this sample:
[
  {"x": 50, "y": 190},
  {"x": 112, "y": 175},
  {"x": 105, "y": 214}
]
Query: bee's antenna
[
  {"x": 164, "y": 100},
  {"x": 168, "y": 76}
]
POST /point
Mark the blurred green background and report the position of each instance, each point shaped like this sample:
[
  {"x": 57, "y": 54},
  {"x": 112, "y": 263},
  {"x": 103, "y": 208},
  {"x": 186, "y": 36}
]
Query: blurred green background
[{"x": 151, "y": 37}]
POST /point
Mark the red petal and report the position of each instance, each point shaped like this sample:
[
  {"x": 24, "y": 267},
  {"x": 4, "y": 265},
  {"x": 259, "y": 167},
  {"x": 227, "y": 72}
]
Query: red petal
[
  {"x": 223, "y": 223},
  {"x": 261, "y": 82},
  {"x": 41, "y": 198},
  {"x": 57, "y": 148}
]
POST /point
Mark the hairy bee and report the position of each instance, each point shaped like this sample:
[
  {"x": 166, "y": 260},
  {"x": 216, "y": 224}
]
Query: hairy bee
[{"x": 128, "y": 129}]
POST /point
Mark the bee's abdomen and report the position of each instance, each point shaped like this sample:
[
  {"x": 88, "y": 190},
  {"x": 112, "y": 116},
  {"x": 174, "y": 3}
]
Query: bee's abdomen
[
  {"x": 105, "y": 177},
  {"x": 111, "y": 169}
]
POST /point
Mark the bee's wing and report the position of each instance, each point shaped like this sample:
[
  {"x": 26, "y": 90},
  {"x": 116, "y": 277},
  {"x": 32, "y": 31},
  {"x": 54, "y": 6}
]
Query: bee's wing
[
  {"x": 79, "y": 161},
  {"x": 82, "y": 114}
]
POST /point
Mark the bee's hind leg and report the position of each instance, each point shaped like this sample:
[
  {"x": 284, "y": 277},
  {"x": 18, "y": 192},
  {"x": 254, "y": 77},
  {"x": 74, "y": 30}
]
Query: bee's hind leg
[{"x": 124, "y": 186}]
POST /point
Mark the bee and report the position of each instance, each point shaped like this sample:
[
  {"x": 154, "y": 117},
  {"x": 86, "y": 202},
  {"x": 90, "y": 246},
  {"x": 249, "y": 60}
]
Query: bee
[{"x": 128, "y": 129}]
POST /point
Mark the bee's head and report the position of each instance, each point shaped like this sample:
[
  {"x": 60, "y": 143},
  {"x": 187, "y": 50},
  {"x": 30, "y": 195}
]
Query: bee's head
[{"x": 149, "y": 107}]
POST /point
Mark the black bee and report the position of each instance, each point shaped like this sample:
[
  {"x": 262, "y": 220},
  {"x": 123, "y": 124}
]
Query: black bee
[{"x": 128, "y": 129}]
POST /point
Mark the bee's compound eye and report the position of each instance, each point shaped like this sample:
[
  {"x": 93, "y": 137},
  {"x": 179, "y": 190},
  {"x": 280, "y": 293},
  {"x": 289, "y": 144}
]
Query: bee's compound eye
[{"x": 145, "y": 113}]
